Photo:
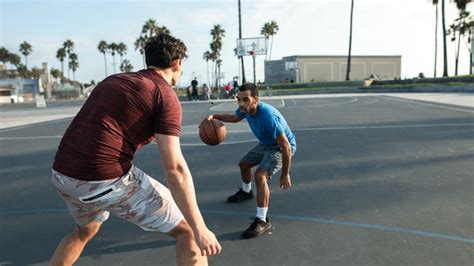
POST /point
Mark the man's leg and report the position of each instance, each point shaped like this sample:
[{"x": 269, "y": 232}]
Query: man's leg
[
  {"x": 261, "y": 223},
  {"x": 263, "y": 192},
  {"x": 187, "y": 251},
  {"x": 70, "y": 248},
  {"x": 245, "y": 172}
]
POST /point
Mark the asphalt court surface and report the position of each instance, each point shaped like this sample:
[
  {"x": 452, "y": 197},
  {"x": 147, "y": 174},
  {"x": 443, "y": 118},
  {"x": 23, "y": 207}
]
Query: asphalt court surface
[{"x": 377, "y": 180}]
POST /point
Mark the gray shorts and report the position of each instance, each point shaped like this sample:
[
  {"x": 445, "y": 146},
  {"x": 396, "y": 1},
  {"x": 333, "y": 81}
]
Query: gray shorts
[
  {"x": 268, "y": 158},
  {"x": 134, "y": 197}
]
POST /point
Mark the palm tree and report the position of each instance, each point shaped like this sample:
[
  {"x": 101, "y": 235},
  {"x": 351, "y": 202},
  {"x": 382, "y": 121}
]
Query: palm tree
[
  {"x": 69, "y": 47},
  {"x": 163, "y": 29},
  {"x": 4, "y": 55},
  {"x": 217, "y": 33},
  {"x": 348, "y": 70},
  {"x": 268, "y": 30},
  {"x": 265, "y": 31},
  {"x": 121, "y": 50},
  {"x": 26, "y": 49},
  {"x": 73, "y": 64},
  {"x": 103, "y": 47},
  {"x": 445, "y": 49},
  {"x": 207, "y": 56},
  {"x": 113, "y": 49},
  {"x": 140, "y": 43},
  {"x": 149, "y": 28},
  {"x": 460, "y": 27},
  {"x": 14, "y": 59},
  {"x": 126, "y": 66},
  {"x": 60, "y": 55},
  {"x": 56, "y": 73},
  {"x": 435, "y": 3}
]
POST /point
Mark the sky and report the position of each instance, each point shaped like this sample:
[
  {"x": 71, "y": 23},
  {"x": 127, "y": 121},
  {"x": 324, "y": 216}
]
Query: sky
[{"x": 306, "y": 27}]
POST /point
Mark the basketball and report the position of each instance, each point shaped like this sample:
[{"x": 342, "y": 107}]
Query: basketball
[{"x": 212, "y": 132}]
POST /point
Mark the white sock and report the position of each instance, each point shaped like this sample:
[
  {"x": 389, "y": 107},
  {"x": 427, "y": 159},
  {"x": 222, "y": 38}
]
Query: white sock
[
  {"x": 262, "y": 213},
  {"x": 246, "y": 187}
]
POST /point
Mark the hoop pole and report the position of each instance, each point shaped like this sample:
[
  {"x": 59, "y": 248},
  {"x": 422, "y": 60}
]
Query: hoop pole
[{"x": 254, "y": 74}]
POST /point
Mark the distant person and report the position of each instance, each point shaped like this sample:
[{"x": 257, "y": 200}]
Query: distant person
[
  {"x": 275, "y": 149},
  {"x": 228, "y": 90},
  {"x": 235, "y": 86},
  {"x": 194, "y": 84},
  {"x": 94, "y": 173},
  {"x": 189, "y": 91},
  {"x": 206, "y": 91}
]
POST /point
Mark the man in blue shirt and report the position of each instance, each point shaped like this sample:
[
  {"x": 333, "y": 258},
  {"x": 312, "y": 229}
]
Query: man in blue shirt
[{"x": 276, "y": 146}]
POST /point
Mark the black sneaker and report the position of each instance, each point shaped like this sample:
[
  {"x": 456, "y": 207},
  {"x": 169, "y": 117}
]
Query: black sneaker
[
  {"x": 240, "y": 196},
  {"x": 256, "y": 228}
]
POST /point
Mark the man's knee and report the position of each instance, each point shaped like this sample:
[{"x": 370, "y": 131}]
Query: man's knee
[
  {"x": 244, "y": 165},
  {"x": 261, "y": 177},
  {"x": 86, "y": 233},
  {"x": 182, "y": 230}
]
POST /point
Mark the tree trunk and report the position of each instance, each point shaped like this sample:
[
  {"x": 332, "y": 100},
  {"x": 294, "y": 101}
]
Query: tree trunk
[
  {"x": 216, "y": 77},
  {"x": 271, "y": 48},
  {"x": 208, "y": 83},
  {"x": 445, "y": 49},
  {"x": 68, "y": 68},
  {"x": 457, "y": 55},
  {"x": 348, "y": 70},
  {"x": 436, "y": 42},
  {"x": 240, "y": 37},
  {"x": 105, "y": 62},
  {"x": 62, "y": 71}
]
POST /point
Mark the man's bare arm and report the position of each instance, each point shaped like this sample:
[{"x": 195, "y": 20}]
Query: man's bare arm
[
  {"x": 231, "y": 118},
  {"x": 282, "y": 141},
  {"x": 181, "y": 185}
]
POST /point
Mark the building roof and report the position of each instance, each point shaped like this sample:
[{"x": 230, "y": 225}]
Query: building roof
[{"x": 342, "y": 56}]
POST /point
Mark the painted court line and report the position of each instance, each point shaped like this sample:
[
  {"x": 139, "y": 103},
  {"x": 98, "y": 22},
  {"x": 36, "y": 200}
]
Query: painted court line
[
  {"x": 384, "y": 127},
  {"x": 427, "y": 104},
  {"x": 296, "y": 129},
  {"x": 352, "y": 100},
  {"x": 283, "y": 217}
]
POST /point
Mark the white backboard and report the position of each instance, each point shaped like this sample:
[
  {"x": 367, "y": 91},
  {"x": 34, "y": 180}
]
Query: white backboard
[{"x": 249, "y": 46}]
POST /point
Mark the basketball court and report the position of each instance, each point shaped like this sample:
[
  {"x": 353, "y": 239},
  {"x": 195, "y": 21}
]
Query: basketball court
[{"x": 377, "y": 180}]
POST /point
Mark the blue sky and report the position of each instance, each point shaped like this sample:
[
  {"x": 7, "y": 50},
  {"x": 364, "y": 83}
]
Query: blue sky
[{"x": 307, "y": 27}]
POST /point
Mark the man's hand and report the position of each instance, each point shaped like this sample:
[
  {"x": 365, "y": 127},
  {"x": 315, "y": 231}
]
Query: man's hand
[
  {"x": 285, "y": 182},
  {"x": 208, "y": 243}
]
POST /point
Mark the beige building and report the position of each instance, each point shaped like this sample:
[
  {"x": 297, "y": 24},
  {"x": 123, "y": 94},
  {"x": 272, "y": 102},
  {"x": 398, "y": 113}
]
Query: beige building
[{"x": 315, "y": 68}]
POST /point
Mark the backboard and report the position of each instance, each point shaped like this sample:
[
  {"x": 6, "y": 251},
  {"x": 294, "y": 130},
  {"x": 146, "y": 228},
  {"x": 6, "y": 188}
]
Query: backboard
[{"x": 247, "y": 46}]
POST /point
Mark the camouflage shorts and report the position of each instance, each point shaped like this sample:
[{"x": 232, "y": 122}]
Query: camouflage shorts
[{"x": 134, "y": 197}]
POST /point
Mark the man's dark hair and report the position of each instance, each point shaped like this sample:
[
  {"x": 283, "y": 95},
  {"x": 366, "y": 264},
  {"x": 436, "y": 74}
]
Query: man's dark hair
[
  {"x": 249, "y": 87},
  {"x": 162, "y": 50}
]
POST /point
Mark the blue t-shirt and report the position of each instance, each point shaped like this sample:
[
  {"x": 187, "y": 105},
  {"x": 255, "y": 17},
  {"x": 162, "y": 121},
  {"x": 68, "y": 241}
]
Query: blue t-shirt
[{"x": 268, "y": 124}]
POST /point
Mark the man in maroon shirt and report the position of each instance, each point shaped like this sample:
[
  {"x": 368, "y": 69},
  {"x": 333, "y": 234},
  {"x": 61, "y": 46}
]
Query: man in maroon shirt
[{"x": 93, "y": 169}]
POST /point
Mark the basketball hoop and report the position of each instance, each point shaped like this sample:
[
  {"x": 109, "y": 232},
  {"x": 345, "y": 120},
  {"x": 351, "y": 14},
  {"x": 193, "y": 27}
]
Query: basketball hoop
[{"x": 251, "y": 46}]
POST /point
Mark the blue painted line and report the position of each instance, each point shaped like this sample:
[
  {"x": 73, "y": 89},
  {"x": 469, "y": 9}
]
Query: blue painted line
[
  {"x": 284, "y": 217},
  {"x": 360, "y": 225}
]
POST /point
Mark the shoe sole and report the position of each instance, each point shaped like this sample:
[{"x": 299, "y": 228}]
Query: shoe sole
[{"x": 238, "y": 201}]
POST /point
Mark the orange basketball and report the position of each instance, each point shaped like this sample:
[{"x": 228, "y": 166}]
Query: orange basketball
[{"x": 212, "y": 132}]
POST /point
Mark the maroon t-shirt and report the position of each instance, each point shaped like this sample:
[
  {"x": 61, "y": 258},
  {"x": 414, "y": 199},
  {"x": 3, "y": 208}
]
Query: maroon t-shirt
[{"x": 122, "y": 114}]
